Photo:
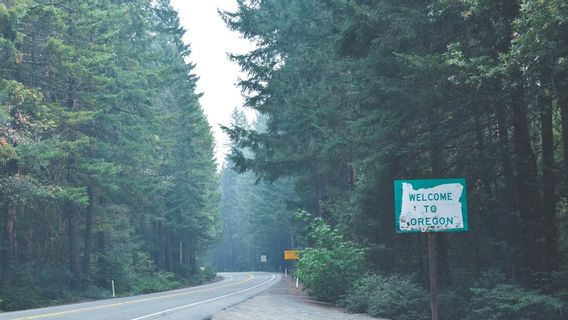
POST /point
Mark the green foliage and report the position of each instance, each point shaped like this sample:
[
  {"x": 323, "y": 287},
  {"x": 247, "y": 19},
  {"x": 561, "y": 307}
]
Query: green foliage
[
  {"x": 356, "y": 299},
  {"x": 163, "y": 281},
  {"x": 453, "y": 303},
  {"x": 509, "y": 301},
  {"x": 18, "y": 298},
  {"x": 53, "y": 282},
  {"x": 355, "y": 94},
  {"x": 24, "y": 190},
  {"x": 35, "y": 290},
  {"x": 392, "y": 297},
  {"x": 77, "y": 196},
  {"x": 93, "y": 292},
  {"x": 328, "y": 269},
  {"x": 155, "y": 282},
  {"x": 7, "y": 152},
  {"x": 555, "y": 283},
  {"x": 202, "y": 276},
  {"x": 399, "y": 297}
]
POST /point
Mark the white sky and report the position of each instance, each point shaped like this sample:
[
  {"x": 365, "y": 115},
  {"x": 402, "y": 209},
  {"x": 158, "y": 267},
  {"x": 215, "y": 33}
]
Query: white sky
[{"x": 210, "y": 41}]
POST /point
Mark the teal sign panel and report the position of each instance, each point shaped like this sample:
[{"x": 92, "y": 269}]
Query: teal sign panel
[{"x": 433, "y": 205}]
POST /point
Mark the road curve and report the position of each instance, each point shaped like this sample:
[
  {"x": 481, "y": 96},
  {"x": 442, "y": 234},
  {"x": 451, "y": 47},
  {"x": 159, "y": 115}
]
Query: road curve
[{"x": 187, "y": 304}]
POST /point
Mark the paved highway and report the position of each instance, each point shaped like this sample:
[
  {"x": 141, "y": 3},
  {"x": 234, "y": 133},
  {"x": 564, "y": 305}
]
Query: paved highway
[{"x": 187, "y": 304}]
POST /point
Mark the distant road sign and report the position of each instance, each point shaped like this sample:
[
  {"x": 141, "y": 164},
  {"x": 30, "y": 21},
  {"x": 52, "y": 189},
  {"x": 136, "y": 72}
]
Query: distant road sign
[
  {"x": 291, "y": 255},
  {"x": 263, "y": 258},
  {"x": 436, "y": 205}
]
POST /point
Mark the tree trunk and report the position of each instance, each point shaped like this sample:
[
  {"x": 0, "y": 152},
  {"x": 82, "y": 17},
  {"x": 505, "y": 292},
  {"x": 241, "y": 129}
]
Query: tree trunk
[
  {"x": 72, "y": 214},
  {"x": 88, "y": 233},
  {"x": 192, "y": 260},
  {"x": 180, "y": 251},
  {"x": 8, "y": 244},
  {"x": 529, "y": 200},
  {"x": 505, "y": 153},
  {"x": 234, "y": 255},
  {"x": 74, "y": 257},
  {"x": 319, "y": 200},
  {"x": 169, "y": 253},
  {"x": 561, "y": 84},
  {"x": 8, "y": 236},
  {"x": 509, "y": 10},
  {"x": 161, "y": 247},
  {"x": 487, "y": 171},
  {"x": 101, "y": 261},
  {"x": 548, "y": 182},
  {"x": 509, "y": 220}
]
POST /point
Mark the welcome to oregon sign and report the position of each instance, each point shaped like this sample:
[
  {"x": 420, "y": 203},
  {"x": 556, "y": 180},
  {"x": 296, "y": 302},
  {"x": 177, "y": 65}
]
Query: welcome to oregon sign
[{"x": 437, "y": 205}]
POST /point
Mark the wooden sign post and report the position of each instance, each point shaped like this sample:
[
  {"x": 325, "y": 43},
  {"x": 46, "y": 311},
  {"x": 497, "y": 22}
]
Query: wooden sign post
[{"x": 435, "y": 205}]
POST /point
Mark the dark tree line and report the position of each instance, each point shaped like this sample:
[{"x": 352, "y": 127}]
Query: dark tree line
[{"x": 106, "y": 158}]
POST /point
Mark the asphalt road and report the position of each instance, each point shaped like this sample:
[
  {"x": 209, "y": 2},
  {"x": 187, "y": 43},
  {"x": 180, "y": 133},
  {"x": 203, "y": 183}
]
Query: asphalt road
[{"x": 187, "y": 304}]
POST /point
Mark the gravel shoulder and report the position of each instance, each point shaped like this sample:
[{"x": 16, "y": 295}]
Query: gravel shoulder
[{"x": 284, "y": 301}]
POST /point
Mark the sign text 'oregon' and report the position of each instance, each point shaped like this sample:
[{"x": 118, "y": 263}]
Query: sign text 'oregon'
[{"x": 436, "y": 205}]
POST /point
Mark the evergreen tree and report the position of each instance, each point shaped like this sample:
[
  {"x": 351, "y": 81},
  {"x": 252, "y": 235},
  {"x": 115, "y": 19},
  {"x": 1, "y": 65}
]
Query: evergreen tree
[
  {"x": 102, "y": 141},
  {"x": 360, "y": 93}
]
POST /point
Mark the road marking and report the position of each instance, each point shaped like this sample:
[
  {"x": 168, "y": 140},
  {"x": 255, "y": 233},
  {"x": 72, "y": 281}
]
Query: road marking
[
  {"x": 54, "y": 314},
  {"x": 204, "y": 301}
]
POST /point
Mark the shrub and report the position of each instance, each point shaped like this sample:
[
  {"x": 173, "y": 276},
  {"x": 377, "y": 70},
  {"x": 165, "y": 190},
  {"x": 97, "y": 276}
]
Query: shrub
[
  {"x": 156, "y": 282},
  {"x": 95, "y": 292},
  {"x": 453, "y": 304},
  {"x": 202, "y": 276},
  {"x": 54, "y": 282},
  {"x": 554, "y": 283},
  {"x": 18, "y": 298},
  {"x": 326, "y": 273},
  {"x": 397, "y": 297},
  {"x": 508, "y": 301},
  {"x": 356, "y": 299},
  {"x": 330, "y": 268}
]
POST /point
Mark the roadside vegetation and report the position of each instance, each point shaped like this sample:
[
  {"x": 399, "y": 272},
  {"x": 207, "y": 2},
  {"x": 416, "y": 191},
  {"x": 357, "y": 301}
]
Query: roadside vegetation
[
  {"x": 106, "y": 158},
  {"x": 355, "y": 94}
]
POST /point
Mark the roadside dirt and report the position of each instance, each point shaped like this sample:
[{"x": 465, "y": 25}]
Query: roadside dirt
[{"x": 283, "y": 301}]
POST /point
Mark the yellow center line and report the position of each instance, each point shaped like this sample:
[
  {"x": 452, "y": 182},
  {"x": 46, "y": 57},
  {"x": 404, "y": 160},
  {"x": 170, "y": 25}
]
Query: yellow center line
[{"x": 49, "y": 315}]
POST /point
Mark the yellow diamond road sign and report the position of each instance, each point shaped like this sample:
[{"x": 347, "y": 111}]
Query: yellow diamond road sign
[{"x": 291, "y": 255}]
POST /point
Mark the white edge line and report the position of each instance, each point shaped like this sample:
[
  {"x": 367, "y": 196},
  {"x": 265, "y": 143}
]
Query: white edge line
[
  {"x": 204, "y": 301},
  {"x": 63, "y": 308}
]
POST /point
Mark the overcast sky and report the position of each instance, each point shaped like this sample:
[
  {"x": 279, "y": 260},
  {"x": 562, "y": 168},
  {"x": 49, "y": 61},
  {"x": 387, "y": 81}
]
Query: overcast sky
[{"x": 210, "y": 41}]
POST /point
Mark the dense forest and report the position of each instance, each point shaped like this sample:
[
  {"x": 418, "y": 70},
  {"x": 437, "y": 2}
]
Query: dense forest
[
  {"x": 106, "y": 158},
  {"x": 357, "y": 93},
  {"x": 107, "y": 171},
  {"x": 257, "y": 217}
]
